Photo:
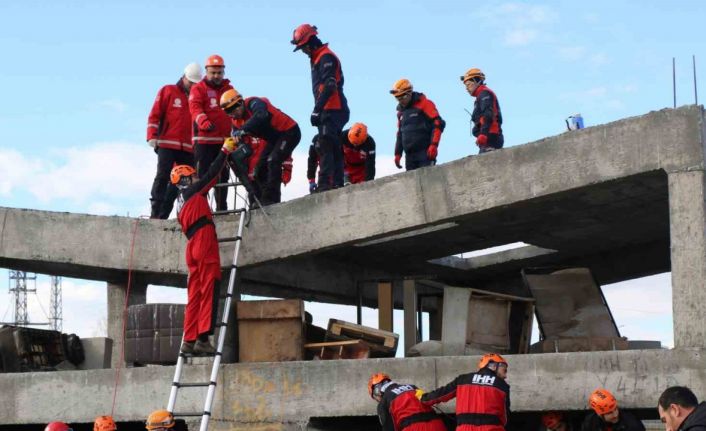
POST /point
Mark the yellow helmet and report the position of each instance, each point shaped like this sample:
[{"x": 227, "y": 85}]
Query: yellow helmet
[
  {"x": 230, "y": 98},
  {"x": 473, "y": 74},
  {"x": 160, "y": 419},
  {"x": 401, "y": 87}
]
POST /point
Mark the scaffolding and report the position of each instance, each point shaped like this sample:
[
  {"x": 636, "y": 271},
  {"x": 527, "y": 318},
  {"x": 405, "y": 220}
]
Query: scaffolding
[{"x": 56, "y": 315}]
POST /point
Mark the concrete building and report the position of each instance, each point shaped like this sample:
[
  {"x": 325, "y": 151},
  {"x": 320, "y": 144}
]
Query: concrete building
[{"x": 626, "y": 199}]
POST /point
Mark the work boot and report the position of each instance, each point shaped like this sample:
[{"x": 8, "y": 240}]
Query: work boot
[
  {"x": 203, "y": 348},
  {"x": 187, "y": 347}
]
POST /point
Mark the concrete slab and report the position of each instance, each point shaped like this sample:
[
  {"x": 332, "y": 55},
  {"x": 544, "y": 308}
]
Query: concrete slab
[{"x": 291, "y": 392}]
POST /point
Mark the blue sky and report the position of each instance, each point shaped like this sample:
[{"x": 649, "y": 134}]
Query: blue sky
[{"x": 80, "y": 76}]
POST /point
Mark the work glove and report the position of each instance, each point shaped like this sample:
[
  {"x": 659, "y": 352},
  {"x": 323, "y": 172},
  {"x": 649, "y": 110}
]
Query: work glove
[
  {"x": 482, "y": 141},
  {"x": 152, "y": 143},
  {"x": 286, "y": 172},
  {"x": 312, "y": 185},
  {"x": 398, "y": 157},
  {"x": 346, "y": 179},
  {"x": 315, "y": 119},
  {"x": 228, "y": 145},
  {"x": 418, "y": 393},
  {"x": 237, "y": 133},
  {"x": 205, "y": 124},
  {"x": 432, "y": 152}
]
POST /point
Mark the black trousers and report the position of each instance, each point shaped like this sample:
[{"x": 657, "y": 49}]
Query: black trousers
[
  {"x": 330, "y": 150},
  {"x": 418, "y": 159},
  {"x": 205, "y": 154},
  {"x": 163, "y": 192},
  {"x": 274, "y": 154}
]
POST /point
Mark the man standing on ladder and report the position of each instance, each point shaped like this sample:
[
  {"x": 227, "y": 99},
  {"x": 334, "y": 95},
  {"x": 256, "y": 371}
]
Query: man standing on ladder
[{"x": 202, "y": 255}]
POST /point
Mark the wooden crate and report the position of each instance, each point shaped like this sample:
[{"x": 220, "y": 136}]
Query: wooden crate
[
  {"x": 382, "y": 343},
  {"x": 349, "y": 349},
  {"x": 271, "y": 330}
]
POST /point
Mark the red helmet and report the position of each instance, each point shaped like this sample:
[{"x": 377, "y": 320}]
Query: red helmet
[
  {"x": 551, "y": 420},
  {"x": 302, "y": 34},
  {"x": 215, "y": 60},
  {"x": 57, "y": 426}
]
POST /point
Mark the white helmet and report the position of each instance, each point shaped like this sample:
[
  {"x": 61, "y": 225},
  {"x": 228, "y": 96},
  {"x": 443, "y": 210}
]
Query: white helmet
[{"x": 192, "y": 71}]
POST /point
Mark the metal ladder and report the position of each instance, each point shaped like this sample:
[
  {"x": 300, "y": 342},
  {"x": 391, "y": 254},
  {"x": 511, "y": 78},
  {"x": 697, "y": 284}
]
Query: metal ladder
[{"x": 222, "y": 326}]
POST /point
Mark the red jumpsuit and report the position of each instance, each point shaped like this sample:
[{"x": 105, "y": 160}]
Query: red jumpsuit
[
  {"x": 202, "y": 256},
  {"x": 401, "y": 410},
  {"x": 482, "y": 400}
]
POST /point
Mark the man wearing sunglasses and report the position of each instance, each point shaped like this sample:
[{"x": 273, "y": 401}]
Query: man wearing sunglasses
[{"x": 419, "y": 127}]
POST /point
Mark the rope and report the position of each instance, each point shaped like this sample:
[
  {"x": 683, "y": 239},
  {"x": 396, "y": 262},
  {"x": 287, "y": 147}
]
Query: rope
[{"x": 127, "y": 298}]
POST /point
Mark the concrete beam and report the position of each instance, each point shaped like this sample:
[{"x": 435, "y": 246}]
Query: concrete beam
[{"x": 290, "y": 392}]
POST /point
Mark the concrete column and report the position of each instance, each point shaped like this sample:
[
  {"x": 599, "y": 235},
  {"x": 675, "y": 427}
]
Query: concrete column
[
  {"x": 435, "y": 319},
  {"x": 116, "y": 305},
  {"x": 385, "y": 306},
  {"x": 687, "y": 218},
  {"x": 230, "y": 347},
  {"x": 410, "y": 314},
  {"x": 455, "y": 320}
]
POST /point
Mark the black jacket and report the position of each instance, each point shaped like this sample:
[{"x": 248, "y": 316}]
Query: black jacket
[
  {"x": 626, "y": 422},
  {"x": 696, "y": 421}
]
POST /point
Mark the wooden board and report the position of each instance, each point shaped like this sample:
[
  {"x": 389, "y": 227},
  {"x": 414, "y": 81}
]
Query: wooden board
[
  {"x": 271, "y": 330},
  {"x": 348, "y": 349}
]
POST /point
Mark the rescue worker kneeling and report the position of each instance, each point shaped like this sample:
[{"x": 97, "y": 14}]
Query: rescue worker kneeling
[
  {"x": 482, "y": 398},
  {"x": 202, "y": 256},
  {"x": 265, "y": 121},
  {"x": 606, "y": 416},
  {"x": 398, "y": 406}
]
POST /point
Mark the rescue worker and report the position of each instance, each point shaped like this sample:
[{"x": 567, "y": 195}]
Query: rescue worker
[
  {"x": 419, "y": 127},
  {"x": 679, "y": 410},
  {"x": 486, "y": 117},
  {"x": 280, "y": 131},
  {"x": 160, "y": 420},
  {"x": 169, "y": 134},
  {"x": 398, "y": 407},
  {"x": 555, "y": 421},
  {"x": 606, "y": 416},
  {"x": 57, "y": 426},
  {"x": 330, "y": 112},
  {"x": 210, "y": 124},
  {"x": 104, "y": 423},
  {"x": 358, "y": 155},
  {"x": 482, "y": 398},
  {"x": 202, "y": 256}
]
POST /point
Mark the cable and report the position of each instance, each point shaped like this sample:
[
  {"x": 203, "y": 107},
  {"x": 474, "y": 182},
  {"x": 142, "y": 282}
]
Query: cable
[{"x": 127, "y": 298}]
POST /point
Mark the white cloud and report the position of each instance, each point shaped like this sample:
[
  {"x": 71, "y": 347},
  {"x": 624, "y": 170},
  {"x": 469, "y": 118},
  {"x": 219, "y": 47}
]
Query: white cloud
[
  {"x": 572, "y": 53},
  {"x": 114, "y": 104},
  {"x": 520, "y": 23},
  {"x": 17, "y": 170}
]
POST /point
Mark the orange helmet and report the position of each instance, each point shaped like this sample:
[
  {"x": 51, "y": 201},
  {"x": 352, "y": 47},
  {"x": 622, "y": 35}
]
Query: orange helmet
[
  {"x": 602, "y": 401},
  {"x": 180, "y": 171},
  {"x": 104, "y": 423},
  {"x": 401, "y": 87},
  {"x": 358, "y": 134},
  {"x": 160, "y": 419},
  {"x": 376, "y": 379},
  {"x": 473, "y": 74},
  {"x": 215, "y": 60},
  {"x": 489, "y": 358},
  {"x": 230, "y": 98},
  {"x": 551, "y": 420},
  {"x": 302, "y": 35}
]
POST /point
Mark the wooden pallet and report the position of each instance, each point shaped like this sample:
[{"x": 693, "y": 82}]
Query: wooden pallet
[
  {"x": 349, "y": 349},
  {"x": 382, "y": 343}
]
